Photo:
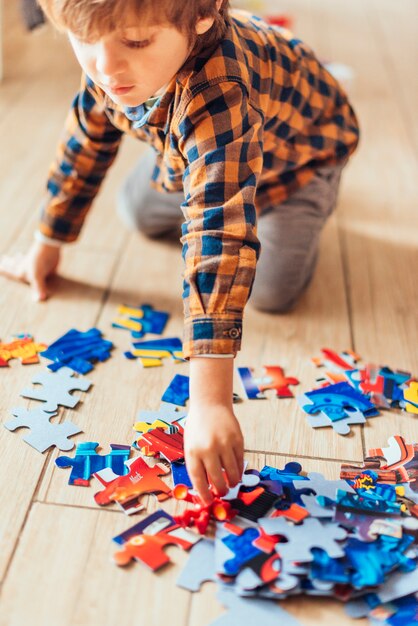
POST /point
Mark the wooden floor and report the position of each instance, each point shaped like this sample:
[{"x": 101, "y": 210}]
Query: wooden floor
[{"x": 55, "y": 545}]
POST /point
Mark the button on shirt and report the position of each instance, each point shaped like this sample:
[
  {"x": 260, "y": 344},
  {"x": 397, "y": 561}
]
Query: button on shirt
[{"x": 242, "y": 126}]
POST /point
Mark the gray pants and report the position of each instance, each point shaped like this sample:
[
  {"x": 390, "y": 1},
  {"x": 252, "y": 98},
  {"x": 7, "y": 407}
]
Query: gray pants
[{"x": 289, "y": 232}]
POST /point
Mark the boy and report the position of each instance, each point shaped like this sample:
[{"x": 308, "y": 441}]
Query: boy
[{"x": 244, "y": 122}]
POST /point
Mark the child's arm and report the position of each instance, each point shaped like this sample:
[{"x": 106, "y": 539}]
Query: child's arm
[
  {"x": 213, "y": 438},
  {"x": 220, "y": 138},
  {"x": 87, "y": 149}
]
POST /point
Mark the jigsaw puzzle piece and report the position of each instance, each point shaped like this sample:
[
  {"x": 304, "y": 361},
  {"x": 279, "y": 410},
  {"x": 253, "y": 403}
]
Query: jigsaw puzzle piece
[
  {"x": 275, "y": 379},
  {"x": 56, "y": 389},
  {"x": 410, "y": 395},
  {"x": 128, "y": 490},
  {"x": 159, "y": 443},
  {"x": 23, "y": 348},
  {"x": 44, "y": 434},
  {"x": 141, "y": 320},
  {"x": 338, "y": 406},
  {"x": 87, "y": 461},
  {"x": 178, "y": 391},
  {"x": 251, "y": 611},
  {"x": 78, "y": 350},
  {"x": 372, "y": 561},
  {"x": 180, "y": 474},
  {"x": 167, "y": 413},
  {"x": 145, "y": 541},
  {"x": 302, "y": 538},
  {"x": 251, "y": 388},
  {"x": 200, "y": 566}
]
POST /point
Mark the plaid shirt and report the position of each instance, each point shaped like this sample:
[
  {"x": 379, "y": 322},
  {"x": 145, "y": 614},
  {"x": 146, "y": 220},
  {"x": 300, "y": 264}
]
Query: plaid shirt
[{"x": 241, "y": 127}]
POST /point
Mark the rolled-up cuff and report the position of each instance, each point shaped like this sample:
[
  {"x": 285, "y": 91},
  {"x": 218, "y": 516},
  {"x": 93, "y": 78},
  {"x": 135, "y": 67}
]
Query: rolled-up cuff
[{"x": 212, "y": 335}]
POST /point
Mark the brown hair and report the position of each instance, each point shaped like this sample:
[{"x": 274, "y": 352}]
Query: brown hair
[{"x": 89, "y": 19}]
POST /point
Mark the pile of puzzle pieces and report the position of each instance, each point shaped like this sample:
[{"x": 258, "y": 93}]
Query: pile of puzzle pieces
[
  {"x": 348, "y": 394},
  {"x": 282, "y": 533}
]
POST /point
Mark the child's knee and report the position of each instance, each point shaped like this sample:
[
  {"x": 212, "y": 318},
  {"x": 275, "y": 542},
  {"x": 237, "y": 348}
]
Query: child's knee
[{"x": 271, "y": 301}]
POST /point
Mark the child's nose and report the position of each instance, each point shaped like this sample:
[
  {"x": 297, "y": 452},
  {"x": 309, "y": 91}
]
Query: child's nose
[{"x": 108, "y": 62}]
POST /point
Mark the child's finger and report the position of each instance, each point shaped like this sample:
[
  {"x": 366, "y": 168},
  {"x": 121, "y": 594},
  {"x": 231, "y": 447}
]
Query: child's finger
[
  {"x": 214, "y": 471},
  {"x": 39, "y": 288},
  {"x": 231, "y": 467},
  {"x": 196, "y": 471},
  {"x": 239, "y": 455}
]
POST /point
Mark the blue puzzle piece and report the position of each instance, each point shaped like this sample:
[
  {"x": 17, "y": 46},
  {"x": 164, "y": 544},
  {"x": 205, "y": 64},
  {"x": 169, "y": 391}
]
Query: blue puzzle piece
[
  {"x": 251, "y": 388},
  {"x": 243, "y": 548},
  {"x": 372, "y": 561},
  {"x": 78, "y": 350},
  {"x": 285, "y": 478},
  {"x": 324, "y": 567},
  {"x": 337, "y": 402},
  {"x": 178, "y": 391},
  {"x": 87, "y": 462},
  {"x": 171, "y": 344},
  {"x": 180, "y": 474}
]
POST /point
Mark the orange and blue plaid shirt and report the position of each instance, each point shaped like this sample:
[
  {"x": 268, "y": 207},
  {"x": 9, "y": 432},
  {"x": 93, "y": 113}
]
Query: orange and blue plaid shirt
[{"x": 240, "y": 127}]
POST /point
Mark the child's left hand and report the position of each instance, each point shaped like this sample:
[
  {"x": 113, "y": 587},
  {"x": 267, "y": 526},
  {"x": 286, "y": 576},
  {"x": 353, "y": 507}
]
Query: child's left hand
[{"x": 213, "y": 442}]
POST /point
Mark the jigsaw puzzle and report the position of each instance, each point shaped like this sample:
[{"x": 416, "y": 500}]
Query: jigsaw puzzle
[
  {"x": 87, "y": 461},
  {"x": 78, "y": 350},
  {"x": 56, "y": 389},
  {"x": 44, "y": 434},
  {"x": 157, "y": 442}
]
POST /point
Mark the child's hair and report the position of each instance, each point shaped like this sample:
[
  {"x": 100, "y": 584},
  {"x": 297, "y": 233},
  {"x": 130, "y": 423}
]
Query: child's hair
[{"x": 91, "y": 19}]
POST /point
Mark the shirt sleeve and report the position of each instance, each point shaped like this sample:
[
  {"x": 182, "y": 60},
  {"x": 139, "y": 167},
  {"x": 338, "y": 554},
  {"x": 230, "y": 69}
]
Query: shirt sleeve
[
  {"x": 220, "y": 141},
  {"x": 86, "y": 151}
]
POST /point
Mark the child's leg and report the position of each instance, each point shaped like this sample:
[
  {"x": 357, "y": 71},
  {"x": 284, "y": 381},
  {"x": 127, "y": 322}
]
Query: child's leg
[
  {"x": 289, "y": 236},
  {"x": 143, "y": 208}
]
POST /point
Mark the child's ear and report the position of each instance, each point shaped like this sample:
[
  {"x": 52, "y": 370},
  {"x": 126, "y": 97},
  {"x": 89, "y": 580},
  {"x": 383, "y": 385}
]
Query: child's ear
[{"x": 205, "y": 23}]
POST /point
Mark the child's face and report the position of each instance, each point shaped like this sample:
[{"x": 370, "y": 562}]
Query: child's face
[{"x": 132, "y": 64}]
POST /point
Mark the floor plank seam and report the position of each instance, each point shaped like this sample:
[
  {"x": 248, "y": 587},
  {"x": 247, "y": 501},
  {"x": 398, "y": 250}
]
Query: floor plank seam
[{"x": 302, "y": 456}]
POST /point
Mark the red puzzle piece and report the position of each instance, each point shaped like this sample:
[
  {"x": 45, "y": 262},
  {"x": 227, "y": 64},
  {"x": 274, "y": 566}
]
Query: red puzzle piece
[
  {"x": 159, "y": 443},
  {"x": 278, "y": 381},
  {"x": 145, "y": 541},
  {"x": 127, "y": 490},
  {"x": 201, "y": 514}
]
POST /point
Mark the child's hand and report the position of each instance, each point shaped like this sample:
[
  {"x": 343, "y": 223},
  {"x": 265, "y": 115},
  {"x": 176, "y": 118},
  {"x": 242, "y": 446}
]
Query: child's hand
[
  {"x": 33, "y": 268},
  {"x": 213, "y": 441}
]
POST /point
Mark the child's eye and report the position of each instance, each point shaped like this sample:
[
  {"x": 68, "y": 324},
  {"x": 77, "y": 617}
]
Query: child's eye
[{"x": 130, "y": 43}]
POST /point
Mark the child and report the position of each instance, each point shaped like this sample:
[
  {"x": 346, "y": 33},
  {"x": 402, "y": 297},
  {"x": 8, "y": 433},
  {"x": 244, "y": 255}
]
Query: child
[{"x": 245, "y": 125}]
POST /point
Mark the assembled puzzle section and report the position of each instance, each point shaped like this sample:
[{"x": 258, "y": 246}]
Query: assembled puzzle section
[
  {"x": 141, "y": 320},
  {"x": 22, "y": 347}
]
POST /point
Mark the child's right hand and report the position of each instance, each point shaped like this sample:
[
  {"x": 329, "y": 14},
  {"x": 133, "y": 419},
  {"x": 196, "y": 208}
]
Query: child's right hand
[{"x": 32, "y": 268}]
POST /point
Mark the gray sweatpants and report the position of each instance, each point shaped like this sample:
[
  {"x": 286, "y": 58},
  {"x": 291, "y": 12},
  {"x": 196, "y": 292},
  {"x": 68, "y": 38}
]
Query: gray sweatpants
[{"x": 289, "y": 232}]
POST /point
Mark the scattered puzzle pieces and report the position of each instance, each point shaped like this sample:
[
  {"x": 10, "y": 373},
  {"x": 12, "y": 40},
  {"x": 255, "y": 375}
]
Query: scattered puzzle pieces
[
  {"x": 44, "y": 434},
  {"x": 145, "y": 541},
  {"x": 128, "y": 490},
  {"x": 87, "y": 462},
  {"x": 410, "y": 395},
  {"x": 56, "y": 388},
  {"x": 23, "y": 348},
  {"x": 78, "y": 350}
]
